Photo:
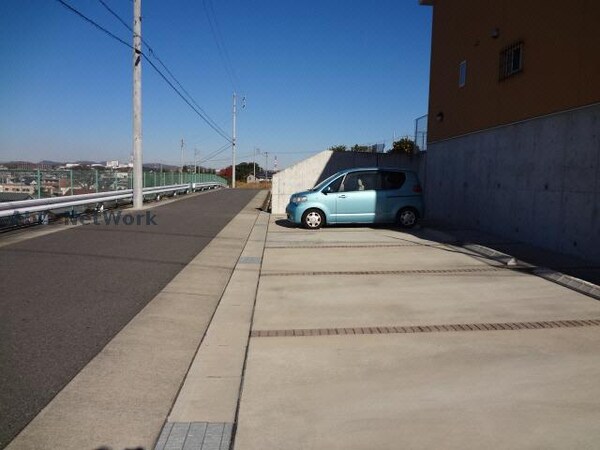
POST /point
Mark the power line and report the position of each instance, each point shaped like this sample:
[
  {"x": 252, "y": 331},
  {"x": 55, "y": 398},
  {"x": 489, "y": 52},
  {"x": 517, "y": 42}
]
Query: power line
[
  {"x": 117, "y": 16},
  {"x": 229, "y": 159},
  {"x": 206, "y": 119},
  {"x": 218, "y": 38},
  {"x": 215, "y": 153},
  {"x": 218, "y": 130},
  {"x": 90, "y": 21},
  {"x": 155, "y": 56}
]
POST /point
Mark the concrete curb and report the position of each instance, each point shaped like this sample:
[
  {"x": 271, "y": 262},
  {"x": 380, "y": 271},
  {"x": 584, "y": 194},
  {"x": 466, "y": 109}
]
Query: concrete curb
[{"x": 568, "y": 281}]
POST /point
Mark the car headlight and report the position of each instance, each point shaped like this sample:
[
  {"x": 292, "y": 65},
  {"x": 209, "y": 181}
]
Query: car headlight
[{"x": 299, "y": 198}]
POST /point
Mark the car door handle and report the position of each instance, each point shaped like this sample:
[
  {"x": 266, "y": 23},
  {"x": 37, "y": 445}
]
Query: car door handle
[{"x": 342, "y": 196}]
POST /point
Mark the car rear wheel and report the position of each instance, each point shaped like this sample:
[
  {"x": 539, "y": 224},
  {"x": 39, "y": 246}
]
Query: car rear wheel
[
  {"x": 313, "y": 219},
  {"x": 407, "y": 218}
]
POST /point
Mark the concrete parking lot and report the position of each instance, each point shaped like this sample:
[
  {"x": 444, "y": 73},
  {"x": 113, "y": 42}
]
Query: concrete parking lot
[{"x": 369, "y": 338}]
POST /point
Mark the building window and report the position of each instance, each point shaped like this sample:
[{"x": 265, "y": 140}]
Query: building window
[
  {"x": 511, "y": 60},
  {"x": 462, "y": 74}
]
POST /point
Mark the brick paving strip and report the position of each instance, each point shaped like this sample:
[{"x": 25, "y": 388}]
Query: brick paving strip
[
  {"x": 387, "y": 272},
  {"x": 288, "y": 246},
  {"x": 510, "y": 326}
]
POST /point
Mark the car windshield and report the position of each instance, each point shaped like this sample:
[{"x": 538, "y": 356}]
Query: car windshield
[{"x": 325, "y": 182}]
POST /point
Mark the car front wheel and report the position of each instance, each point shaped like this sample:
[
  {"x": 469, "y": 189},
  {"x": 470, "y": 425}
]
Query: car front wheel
[{"x": 313, "y": 219}]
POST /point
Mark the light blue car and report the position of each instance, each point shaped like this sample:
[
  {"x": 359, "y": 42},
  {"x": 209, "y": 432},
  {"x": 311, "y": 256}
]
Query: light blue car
[{"x": 366, "y": 195}]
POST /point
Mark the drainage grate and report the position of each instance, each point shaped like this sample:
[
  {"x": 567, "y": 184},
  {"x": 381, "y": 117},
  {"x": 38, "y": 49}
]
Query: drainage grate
[
  {"x": 428, "y": 328},
  {"x": 195, "y": 435},
  {"x": 386, "y": 272},
  {"x": 250, "y": 260}
]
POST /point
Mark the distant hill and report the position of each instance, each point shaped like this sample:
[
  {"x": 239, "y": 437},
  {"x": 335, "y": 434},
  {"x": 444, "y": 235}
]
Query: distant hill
[
  {"x": 88, "y": 163},
  {"x": 49, "y": 163},
  {"x": 6, "y": 163},
  {"x": 157, "y": 166}
]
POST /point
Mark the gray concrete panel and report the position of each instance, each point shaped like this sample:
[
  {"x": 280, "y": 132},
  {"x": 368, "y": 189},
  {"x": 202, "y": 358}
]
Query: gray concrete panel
[{"x": 536, "y": 181}]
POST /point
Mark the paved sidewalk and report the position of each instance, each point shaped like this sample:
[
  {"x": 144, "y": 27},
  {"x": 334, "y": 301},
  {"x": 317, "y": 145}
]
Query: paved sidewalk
[
  {"x": 377, "y": 339},
  {"x": 204, "y": 412}
]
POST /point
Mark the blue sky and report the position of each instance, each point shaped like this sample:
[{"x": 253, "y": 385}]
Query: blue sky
[{"x": 315, "y": 74}]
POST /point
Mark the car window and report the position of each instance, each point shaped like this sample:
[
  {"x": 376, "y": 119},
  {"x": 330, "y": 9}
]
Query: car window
[
  {"x": 324, "y": 183},
  {"x": 335, "y": 185},
  {"x": 360, "y": 181},
  {"x": 392, "y": 180}
]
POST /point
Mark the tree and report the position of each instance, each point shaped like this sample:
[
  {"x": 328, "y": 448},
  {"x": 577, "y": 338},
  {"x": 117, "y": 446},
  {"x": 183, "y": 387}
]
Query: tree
[
  {"x": 360, "y": 148},
  {"x": 242, "y": 170},
  {"x": 225, "y": 173},
  {"x": 404, "y": 145},
  {"x": 338, "y": 148}
]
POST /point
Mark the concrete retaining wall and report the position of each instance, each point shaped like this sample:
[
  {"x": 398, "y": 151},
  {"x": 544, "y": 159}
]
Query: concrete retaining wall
[
  {"x": 311, "y": 171},
  {"x": 536, "y": 181}
]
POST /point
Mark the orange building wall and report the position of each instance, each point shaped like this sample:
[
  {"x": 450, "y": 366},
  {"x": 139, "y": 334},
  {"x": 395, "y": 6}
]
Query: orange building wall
[{"x": 561, "y": 61}]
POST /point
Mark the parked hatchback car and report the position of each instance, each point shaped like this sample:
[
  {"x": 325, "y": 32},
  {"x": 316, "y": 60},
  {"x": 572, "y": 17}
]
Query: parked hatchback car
[{"x": 365, "y": 195}]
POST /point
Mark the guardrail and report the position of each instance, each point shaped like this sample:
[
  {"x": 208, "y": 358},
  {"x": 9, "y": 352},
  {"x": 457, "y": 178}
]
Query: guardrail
[{"x": 46, "y": 205}]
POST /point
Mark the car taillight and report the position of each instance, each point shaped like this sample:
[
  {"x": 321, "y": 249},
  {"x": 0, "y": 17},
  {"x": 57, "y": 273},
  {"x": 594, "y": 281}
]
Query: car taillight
[{"x": 417, "y": 188}]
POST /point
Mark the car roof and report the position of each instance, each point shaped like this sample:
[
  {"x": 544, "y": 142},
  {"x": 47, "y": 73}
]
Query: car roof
[{"x": 360, "y": 169}]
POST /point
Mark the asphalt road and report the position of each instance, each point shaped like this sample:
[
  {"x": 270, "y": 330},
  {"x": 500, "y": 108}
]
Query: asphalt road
[{"x": 63, "y": 296}]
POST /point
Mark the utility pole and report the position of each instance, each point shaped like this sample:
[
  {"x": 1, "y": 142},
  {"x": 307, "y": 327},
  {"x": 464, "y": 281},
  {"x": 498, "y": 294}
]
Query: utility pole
[
  {"x": 256, "y": 150},
  {"x": 195, "y": 160},
  {"x": 266, "y": 166},
  {"x": 138, "y": 199},
  {"x": 233, "y": 143},
  {"x": 181, "y": 172}
]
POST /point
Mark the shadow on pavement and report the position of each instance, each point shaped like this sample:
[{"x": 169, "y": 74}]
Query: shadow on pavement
[{"x": 468, "y": 239}]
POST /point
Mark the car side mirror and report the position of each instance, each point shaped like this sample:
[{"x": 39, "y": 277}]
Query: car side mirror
[{"x": 327, "y": 190}]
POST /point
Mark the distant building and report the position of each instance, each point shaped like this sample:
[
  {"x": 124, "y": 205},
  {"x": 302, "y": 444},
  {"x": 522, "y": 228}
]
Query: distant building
[
  {"x": 18, "y": 187},
  {"x": 513, "y": 123},
  {"x": 261, "y": 176}
]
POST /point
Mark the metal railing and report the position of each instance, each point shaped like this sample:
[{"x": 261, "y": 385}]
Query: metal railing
[
  {"x": 29, "y": 212},
  {"x": 46, "y": 183}
]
